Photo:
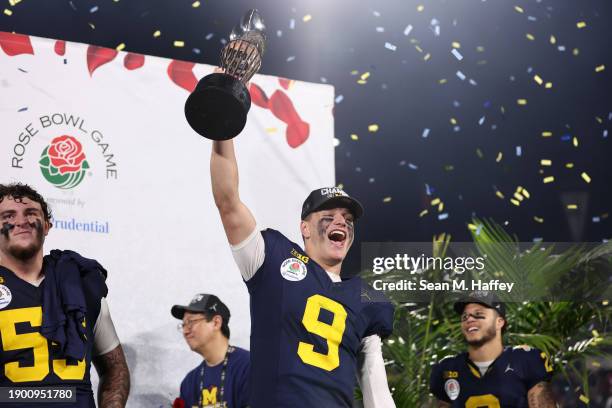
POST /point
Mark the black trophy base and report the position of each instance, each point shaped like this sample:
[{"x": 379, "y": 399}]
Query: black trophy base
[{"x": 217, "y": 109}]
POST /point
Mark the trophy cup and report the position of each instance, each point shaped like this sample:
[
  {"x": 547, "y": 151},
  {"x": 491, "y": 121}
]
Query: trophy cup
[{"x": 217, "y": 109}]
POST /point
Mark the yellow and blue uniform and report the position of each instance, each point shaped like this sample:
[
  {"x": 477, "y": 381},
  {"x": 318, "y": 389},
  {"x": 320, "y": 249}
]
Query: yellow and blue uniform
[
  {"x": 458, "y": 381},
  {"x": 306, "y": 330},
  {"x": 27, "y": 359}
]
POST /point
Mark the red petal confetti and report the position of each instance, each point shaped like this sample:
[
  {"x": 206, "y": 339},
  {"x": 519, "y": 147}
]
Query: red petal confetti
[
  {"x": 133, "y": 61},
  {"x": 15, "y": 44},
  {"x": 60, "y": 48},
  {"x": 285, "y": 83},
  {"x": 258, "y": 96},
  {"x": 282, "y": 107},
  {"x": 180, "y": 72},
  {"x": 98, "y": 56}
]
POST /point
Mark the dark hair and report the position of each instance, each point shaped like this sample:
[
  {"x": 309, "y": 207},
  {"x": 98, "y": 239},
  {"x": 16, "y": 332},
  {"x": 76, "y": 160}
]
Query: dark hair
[
  {"x": 224, "y": 327},
  {"x": 19, "y": 191}
]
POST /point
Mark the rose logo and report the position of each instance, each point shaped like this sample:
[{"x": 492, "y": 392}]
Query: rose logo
[{"x": 63, "y": 163}]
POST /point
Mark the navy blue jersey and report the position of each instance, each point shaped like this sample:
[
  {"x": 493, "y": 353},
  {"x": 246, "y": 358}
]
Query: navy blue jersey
[
  {"x": 306, "y": 330},
  {"x": 27, "y": 359},
  {"x": 236, "y": 387},
  {"x": 506, "y": 382}
]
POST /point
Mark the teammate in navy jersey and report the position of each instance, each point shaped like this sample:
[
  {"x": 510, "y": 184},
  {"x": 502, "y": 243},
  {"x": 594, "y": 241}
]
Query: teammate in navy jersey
[
  {"x": 489, "y": 375},
  {"x": 221, "y": 380},
  {"x": 54, "y": 320},
  {"x": 312, "y": 332}
]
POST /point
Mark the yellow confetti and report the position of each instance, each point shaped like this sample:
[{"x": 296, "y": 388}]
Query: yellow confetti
[
  {"x": 440, "y": 207},
  {"x": 419, "y": 49},
  {"x": 600, "y": 68},
  {"x": 521, "y": 101},
  {"x": 307, "y": 18},
  {"x": 373, "y": 127},
  {"x": 519, "y": 189},
  {"x": 480, "y": 48},
  {"x": 553, "y": 40},
  {"x": 515, "y": 202},
  {"x": 386, "y": 199},
  {"x": 195, "y": 4},
  {"x": 599, "y": 120},
  {"x": 584, "y": 398},
  {"x": 93, "y": 27},
  {"x": 548, "y": 85},
  {"x": 420, "y": 8},
  {"x": 545, "y": 162},
  {"x": 354, "y": 137},
  {"x": 500, "y": 155},
  {"x": 548, "y": 179},
  {"x": 605, "y": 303},
  {"x": 530, "y": 37},
  {"x": 525, "y": 193},
  {"x": 575, "y": 141},
  {"x": 519, "y": 9},
  {"x": 435, "y": 201},
  {"x": 453, "y": 121},
  {"x": 120, "y": 47},
  {"x": 8, "y": 12},
  {"x": 179, "y": 43},
  {"x": 572, "y": 206},
  {"x": 442, "y": 81},
  {"x": 546, "y": 133},
  {"x": 585, "y": 177},
  {"x": 340, "y": 186},
  {"x": 595, "y": 333},
  {"x": 538, "y": 219},
  {"x": 427, "y": 57},
  {"x": 354, "y": 72},
  {"x": 569, "y": 165},
  {"x": 538, "y": 79},
  {"x": 362, "y": 82},
  {"x": 423, "y": 213},
  {"x": 499, "y": 194},
  {"x": 271, "y": 130},
  {"x": 156, "y": 34},
  {"x": 518, "y": 197},
  {"x": 472, "y": 227},
  {"x": 575, "y": 51},
  {"x": 581, "y": 24},
  {"x": 13, "y": 2},
  {"x": 365, "y": 75},
  {"x": 479, "y": 153},
  {"x": 456, "y": 44}
]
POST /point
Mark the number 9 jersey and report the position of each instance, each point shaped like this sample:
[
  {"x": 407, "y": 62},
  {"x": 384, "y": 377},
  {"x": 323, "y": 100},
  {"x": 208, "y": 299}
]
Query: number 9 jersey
[
  {"x": 306, "y": 330},
  {"x": 458, "y": 381}
]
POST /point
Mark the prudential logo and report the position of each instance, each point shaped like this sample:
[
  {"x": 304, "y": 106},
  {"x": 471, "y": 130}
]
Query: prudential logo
[{"x": 63, "y": 162}]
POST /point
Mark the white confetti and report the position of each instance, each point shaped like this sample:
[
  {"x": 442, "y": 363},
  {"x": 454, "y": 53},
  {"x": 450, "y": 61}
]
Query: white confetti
[
  {"x": 472, "y": 82},
  {"x": 413, "y": 166},
  {"x": 519, "y": 151},
  {"x": 339, "y": 98},
  {"x": 209, "y": 36},
  {"x": 442, "y": 216},
  {"x": 481, "y": 121},
  {"x": 336, "y": 142},
  {"x": 457, "y": 54},
  {"x": 605, "y": 133},
  {"x": 425, "y": 132},
  {"x": 279, "y": 33},
  {"x": 596, "y": 219},
  {"x": 437, "y": 31},
  {"x": 292, "y": 24},
  {"x": 407, "y": 30},
  {"x": 561, "y": 48},
  {"x": 532, "y": 18},
  {"x": 461, "y": 75},
  {"x": 291, "y": 58},
  {"x": 376, "y": 13},
  {"x": 93, "y": 9},
  {"x": 390, "y": 46},
  {"x": 380, "y": 29}
]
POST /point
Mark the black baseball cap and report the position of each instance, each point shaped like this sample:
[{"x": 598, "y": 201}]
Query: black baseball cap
[
  {"x": 330, "y": 197},
  {"x": 203, "y": 303},
  {"x": 482, "y": 297}
]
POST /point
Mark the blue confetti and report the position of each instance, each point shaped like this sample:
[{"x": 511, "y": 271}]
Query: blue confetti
[
  {"x": 461, "y": 75},
  {"x": 566, "y": 138},
  {"x": 93, "y": 9},
  {"x": 487, "y": 104},
  {"x": 442, "y": 216},
  {"x": 413, "y": 166},
  {"x": 519, "y": 151},
  {"x": 481, "y": 121},
  {"x": 457, "y": 128},
  {"x": 605, "y": 133},
  {"x": 457, "y": 54},
  {"x": 292, "y": 24},
  {"x": 407, "y": 30},
  {"x": 532, "y": 18},
  {"x": 429, "y": 190},
  {"x": 339, "y": 98},
  {"x": 425, "y": 132},
  {"x": 596, "y": 219}
]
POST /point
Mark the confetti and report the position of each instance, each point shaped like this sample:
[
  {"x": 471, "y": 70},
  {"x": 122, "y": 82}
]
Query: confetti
[
  {"x": 548, "y": 85},
  {"x": 461, "y": 75},
  {"x": 548, "y": 179},
  {"x": 600, "y": 68},
  {"x": 93, "y": 9},
  {"x": 380, "y": 29},
  {"x": 519, "y": 9},
  {"x": 530, "y": 37},
  {"x": 354, "y": 137},
  {"x": 339, "y": 98},
  {"x": 442, "y": 216},
  {"x": 373, "y": 127},
  {"x": 575, "y": 141},
  {"x": 572, "y": 206},
  {"x": 292, "y": 24},
  {"x": 553, "y": 40},
  {"x": 336, "y": 142},
  {"x": 515, "y": 202},
  {"x": 585, "y": 177},
  {"x": 413, "y": 166},
  {"x": 22, "y": 109},
  {"x": 386, "y": 199},
  {"x": 519, "y": 151},
  {"x": 195, "y": 4},
  {"x": 290, "y": 58},
  {"x": 435, "y": 201},
  {"x": 423, "y": 213},
  {"x": 538, "y": 79},
  {"x": 407, "y": 30},
  {"x": 569, "y": 165},
  {"x": 209, "y": 36},
  {"x": 271, "y": 130},
  {"x": 179, "y": 43},
  {"x": 499, "y": 157},
  {"x": 156, "y": 34},
  {"x": 425, "y": 133},
  {"x": 120, "y": 47},
  {"x": 538, "y": 219},
  {"x": 8, "y": 12},
  {"x": 457, "y": 54},
  {"x": 581, "y": 24},
  {"x": 14, "y": 2},
  {"x": 481, "y": 121},
  {"x": 420, "y": 8},
  {"x": 545, "y": 162},
  {"x": 390, "y": 46},
  {"x": 365, "y": 76},
  {"x": 521, "y": 102},
  {"x": 546, "y": 134}
]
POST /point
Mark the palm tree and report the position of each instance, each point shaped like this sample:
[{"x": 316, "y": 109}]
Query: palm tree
[{"x": 573, "y": 332}]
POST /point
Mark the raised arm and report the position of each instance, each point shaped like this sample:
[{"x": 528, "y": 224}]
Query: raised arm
[{"x": 237, "y": 219}]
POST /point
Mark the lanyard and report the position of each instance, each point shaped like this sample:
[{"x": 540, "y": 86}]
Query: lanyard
[{"x": 230, "y": 349}]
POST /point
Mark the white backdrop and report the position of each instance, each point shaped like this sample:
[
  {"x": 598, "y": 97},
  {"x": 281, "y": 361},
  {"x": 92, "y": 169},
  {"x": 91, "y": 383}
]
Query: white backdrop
[{"x": 147, "y": 190}]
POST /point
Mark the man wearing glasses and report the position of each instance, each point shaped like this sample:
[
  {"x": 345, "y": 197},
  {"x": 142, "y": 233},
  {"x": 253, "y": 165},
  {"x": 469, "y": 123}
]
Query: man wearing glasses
[{"x": 221, "y": 380}]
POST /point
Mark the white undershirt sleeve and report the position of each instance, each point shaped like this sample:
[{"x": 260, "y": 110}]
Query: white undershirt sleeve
[
  {"x": 372, "y": 375},
  {"x": 105, "y": 336},
  {"x": 250, "y": 254}
]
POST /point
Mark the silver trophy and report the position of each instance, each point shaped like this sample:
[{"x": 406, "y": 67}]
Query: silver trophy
[{"x": 217, "y": 109}]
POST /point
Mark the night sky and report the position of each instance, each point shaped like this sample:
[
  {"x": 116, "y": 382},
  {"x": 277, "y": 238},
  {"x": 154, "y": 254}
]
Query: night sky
[{"x": 445, "y": 110}]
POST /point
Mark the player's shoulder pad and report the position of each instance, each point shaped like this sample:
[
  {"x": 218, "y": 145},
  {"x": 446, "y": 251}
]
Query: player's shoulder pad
[
  {"x": 450, "y": 361},
  {"x": 525, "y": 351}
]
